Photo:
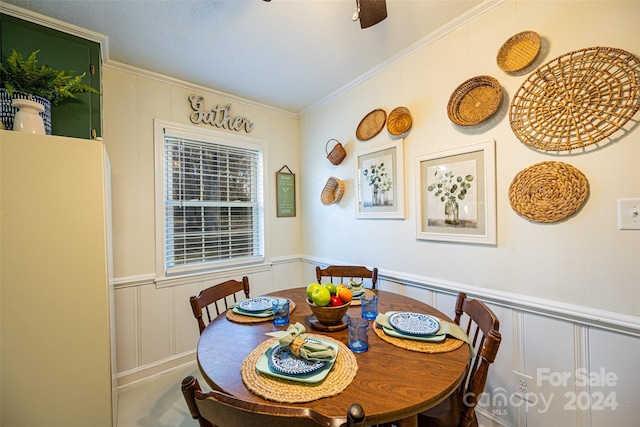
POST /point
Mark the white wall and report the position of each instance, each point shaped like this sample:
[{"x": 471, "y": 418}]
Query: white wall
[
  {"x": 154, "y": 322},
  {"x": 584, "y": 260},
  {"x": 567, "y": 293}
]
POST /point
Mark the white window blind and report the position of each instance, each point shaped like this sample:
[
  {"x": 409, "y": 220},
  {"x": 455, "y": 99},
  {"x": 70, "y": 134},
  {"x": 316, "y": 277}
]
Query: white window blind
[{"x": 213, "y": 214}]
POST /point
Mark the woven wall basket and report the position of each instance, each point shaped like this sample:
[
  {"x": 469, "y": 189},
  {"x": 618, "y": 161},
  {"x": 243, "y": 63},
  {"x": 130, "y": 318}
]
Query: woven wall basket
[
  {"x": 332, "y": 192},
  {"x": 474, "y": 101},
  {"x": 337, "y": 153},
  {"x": 577, "y": 99},
  {"x": 399, "y": 121},
  {"x": 548, "y": 191},
  {"x": 519, "y": 51},
  {"x": 371, "y": 124}
]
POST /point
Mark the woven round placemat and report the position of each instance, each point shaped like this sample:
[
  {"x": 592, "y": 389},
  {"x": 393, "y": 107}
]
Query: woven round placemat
[
  {"x": 519, "y": 51},
  {"x": 548, "y": 191},
  {"x": 577, "y": 99},
  {"x": 239, "y": 318},
  {"x": 286, "y": 391},
  {"x": 449, "y": 344},
  {"x": 474, "y": 101}
]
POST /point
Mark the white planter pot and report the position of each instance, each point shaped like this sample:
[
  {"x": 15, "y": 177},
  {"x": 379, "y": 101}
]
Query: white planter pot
[
  {"x": 28, "y": 118},
  {"x": 8, "y": 112}
]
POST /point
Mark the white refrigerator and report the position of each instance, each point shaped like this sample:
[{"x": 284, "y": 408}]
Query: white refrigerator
[{"x": 57, "y": 361}]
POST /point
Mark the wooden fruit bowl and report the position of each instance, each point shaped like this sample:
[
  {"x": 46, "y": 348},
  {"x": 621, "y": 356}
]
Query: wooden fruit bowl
[{"x": 329, "y": 316}]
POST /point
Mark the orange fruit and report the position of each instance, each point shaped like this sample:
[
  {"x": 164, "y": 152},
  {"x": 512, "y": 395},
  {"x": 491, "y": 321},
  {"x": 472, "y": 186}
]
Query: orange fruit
[{"x": 345, "y": 295}]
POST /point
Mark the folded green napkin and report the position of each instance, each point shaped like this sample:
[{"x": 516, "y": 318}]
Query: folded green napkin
[
  {"x": 264, "y": 313},
  {"x": 447, "y": 328},
  {"x": 294, "y": 338},
  {"x": 356, "y": 286}
]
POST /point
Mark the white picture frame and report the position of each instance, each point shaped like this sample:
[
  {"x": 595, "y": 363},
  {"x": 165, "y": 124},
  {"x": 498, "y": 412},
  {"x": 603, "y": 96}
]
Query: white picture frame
[
  {"x": 379, "y": 178},
  {"x": 458, "y": 181}
]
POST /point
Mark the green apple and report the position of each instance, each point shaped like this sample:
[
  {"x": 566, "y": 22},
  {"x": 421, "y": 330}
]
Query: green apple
[
  {"x": 331, "y": 287},
  {"x": 310, "y": 289},
  {"x": 321, "y": 296}
]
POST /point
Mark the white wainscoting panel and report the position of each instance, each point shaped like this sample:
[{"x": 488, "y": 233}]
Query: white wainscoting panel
[
  {"x": 187, "y": 332},
  {"x": 126, "y": 320},
  {"x": 614, "y": 364},
  {"x": 156, "y": 323},
  {"x": 548, "y": 345},
  {"x": 156, "y": 331}
]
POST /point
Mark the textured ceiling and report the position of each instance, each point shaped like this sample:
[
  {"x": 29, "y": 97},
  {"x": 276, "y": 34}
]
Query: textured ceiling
[{"x": 289, "y": 54}]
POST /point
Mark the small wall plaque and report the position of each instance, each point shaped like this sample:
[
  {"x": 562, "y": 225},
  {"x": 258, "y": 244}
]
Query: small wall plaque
[{"x": 286, "y": 193}]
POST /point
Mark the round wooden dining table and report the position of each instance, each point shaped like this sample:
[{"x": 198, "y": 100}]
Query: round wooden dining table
[{"x": 392, "y": 384}]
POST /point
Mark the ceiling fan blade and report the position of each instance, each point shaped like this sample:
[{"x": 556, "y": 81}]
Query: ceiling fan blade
[{"x": 372, "y": 12}]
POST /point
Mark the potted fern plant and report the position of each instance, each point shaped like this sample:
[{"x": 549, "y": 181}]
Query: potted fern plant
[{"x": 25, "y": 79}]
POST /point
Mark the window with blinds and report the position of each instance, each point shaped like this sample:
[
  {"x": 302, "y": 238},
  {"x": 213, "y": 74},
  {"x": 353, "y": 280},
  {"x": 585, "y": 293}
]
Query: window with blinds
[{"x": 212, "y": 192}]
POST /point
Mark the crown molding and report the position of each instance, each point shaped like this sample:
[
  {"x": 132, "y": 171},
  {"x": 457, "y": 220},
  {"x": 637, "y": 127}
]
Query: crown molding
[{"x": 463, "y": 19}]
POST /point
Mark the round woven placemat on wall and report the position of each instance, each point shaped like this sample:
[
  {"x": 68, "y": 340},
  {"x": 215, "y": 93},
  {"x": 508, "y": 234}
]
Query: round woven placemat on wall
[
  {"x": 342, "y": 373},
  {"x": 577, "y": 99},
  {"x": 548, "y": 191},
  {"x": 474, "y": 101},
  {"x": 449, "y": 344}
]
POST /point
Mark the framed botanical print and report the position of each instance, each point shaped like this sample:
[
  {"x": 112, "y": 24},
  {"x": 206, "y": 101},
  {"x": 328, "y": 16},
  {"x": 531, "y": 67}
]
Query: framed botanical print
[
  {"x": 380, "y": 181},
  {"x": 455, "y": 195}
]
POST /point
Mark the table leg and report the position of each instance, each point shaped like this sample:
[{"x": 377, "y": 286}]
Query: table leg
[{"x": 408, "y": 422}]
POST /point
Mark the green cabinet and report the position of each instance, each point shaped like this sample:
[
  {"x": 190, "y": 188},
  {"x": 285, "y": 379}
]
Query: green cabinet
[{"x": 77, "y": 118}]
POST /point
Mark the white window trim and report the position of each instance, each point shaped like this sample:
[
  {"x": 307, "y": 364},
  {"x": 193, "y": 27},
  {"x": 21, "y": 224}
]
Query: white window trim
[{"x": 192, "y": 132}]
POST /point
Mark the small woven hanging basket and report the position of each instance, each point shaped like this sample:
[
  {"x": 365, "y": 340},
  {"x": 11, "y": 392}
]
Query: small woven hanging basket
[
  {"x": 548, "y": 191},
  {"x": 337, "y": 153},
  {"x": 332, "y": 192}
]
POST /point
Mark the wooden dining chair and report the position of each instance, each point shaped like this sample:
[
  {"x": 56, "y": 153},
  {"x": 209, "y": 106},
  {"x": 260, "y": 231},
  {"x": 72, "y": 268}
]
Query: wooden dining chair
[
  {"x": 217, "y": 294},
  {"x": 481, "y": 325},
  {"x": 345, "y": 272},
  {"x": 220, "y": 409}
]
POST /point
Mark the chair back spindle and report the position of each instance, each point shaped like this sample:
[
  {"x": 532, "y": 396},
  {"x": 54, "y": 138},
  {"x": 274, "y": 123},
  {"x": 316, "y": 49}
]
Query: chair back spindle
[{"x": 346, "y": 272}]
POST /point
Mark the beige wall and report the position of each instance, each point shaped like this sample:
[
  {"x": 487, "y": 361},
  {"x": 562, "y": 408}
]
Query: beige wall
[
  {"x": 584, "y": 260},
  {"x": 131, "y": 103},
  {"x": 154, "y": 322}
]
